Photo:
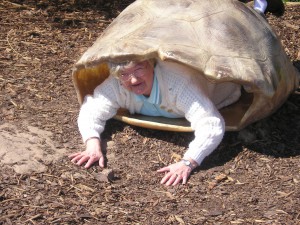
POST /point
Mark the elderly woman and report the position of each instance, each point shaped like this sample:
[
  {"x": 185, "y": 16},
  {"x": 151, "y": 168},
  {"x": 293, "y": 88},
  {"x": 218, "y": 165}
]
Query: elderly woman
[{"x": 142, "y": 87}]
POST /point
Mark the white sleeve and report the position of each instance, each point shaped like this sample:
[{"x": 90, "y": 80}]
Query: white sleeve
[
  {"x": 97, "y": 109},
  {"x": 205, "y": 119}
]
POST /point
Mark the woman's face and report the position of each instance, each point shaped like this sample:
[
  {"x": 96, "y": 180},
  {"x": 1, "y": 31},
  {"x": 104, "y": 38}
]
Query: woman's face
[{"x": 138, "y": 79}]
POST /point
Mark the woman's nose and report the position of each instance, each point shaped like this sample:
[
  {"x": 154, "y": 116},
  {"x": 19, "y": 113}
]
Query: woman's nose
[{"x": 133, "y": 79}]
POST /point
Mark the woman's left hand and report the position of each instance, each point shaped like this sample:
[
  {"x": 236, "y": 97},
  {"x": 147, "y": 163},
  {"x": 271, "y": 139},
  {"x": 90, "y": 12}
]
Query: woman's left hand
[{"x": 175, "y": 173}]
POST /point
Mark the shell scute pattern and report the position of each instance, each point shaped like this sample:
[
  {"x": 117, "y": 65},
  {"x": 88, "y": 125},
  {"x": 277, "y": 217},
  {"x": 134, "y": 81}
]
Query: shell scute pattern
[{"x": 224, "y": 40}]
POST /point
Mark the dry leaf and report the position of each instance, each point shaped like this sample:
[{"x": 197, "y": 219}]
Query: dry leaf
[
  {"x": 238, "y": 182},
  {"x": 221, "y": 177},
  {"x": 230, "y": 178},
  {"x": 84, "y": 187},
  {"x": 211, "y": 185},
  {"x": 260, "y": 221},
  {"x": 145, "y": 140},
  {"x": 176, "y": 157},
  {"x": 178, "y": 218},
  {"x": 170, "y": 195},
  {"x": 295, "y": 181},
  {"x": 239, "y": 221},
  {"x": 289, "y": 25},
  {"x": 283, "y": 194}
]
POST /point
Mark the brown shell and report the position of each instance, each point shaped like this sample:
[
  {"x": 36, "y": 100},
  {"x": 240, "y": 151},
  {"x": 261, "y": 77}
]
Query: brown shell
[{"x": 223, "y": 39}]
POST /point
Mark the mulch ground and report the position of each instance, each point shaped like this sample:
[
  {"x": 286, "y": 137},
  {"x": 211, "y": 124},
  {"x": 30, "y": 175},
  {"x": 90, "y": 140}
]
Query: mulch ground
[{"x": 252, "y": 178}]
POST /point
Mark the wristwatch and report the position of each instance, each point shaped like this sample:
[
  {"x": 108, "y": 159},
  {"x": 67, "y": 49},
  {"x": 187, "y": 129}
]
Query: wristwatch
[{"x": 187, "y": 163}]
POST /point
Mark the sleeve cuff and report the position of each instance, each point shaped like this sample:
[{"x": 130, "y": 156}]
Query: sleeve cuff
[{"x": 90, "y": 134}]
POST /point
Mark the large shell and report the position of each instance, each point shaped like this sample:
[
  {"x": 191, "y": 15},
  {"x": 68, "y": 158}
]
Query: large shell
[{"x": 223, "y": 39}]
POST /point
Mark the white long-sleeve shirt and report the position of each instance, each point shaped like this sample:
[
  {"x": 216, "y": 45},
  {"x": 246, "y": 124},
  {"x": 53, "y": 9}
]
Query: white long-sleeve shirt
[{"x": 183, "y": 91}]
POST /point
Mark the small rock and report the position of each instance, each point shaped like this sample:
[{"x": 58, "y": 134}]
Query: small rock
[{"x": 107, "y": 175}]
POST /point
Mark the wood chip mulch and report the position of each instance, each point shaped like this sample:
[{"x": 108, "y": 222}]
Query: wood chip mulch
[{"x": 245, "y": 181}]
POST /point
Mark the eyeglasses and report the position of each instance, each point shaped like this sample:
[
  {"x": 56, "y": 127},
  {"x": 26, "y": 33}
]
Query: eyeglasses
[{"x": 139, "y": 72}]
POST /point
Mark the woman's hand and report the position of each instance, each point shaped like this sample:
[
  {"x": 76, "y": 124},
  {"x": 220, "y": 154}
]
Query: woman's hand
[
  {"x": 177, "y": 172},
  {"x": 91, "y": 154}
]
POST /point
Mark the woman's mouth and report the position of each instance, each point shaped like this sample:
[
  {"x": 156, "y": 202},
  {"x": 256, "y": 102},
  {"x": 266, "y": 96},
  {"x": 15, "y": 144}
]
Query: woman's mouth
[
  {"x": 138, "y": 88},
  {"x": 136, "y": 85}
]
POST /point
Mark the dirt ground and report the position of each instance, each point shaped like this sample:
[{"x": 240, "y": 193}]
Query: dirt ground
[{"x": 252, "y": 178}]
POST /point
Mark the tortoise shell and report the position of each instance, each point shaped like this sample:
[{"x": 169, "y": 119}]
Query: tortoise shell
[{"x": 225, "y": 40}]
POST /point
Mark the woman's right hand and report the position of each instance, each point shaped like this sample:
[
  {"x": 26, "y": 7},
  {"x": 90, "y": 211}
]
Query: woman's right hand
[{"x": 91, "y": 154}]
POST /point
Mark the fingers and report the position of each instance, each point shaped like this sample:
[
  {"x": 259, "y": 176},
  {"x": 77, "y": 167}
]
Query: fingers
[
  {"x": 174, "y": 174},
  {"x": 75, "y": 159},
  {"x": 91, "y": 154},
  {"x": 74, "y": 155},
  {"x": 184, "y": 179},
  {"x": 101, "y": 162},
  {"x": 166, "y": 178},
  {"x": 90, "y": 162},
  {"x": 173, "y": 179},
  {"x": 164, "y": 169},
  {"x": 177, "y": 181},
  {"x": 80, "y": 158}
]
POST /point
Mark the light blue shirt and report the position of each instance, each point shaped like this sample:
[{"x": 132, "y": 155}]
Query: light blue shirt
[{"x": 151, "y": 104}]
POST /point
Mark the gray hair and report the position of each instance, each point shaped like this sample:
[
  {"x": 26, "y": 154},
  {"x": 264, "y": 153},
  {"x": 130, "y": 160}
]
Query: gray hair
[{"x": 117, "y": 68}]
